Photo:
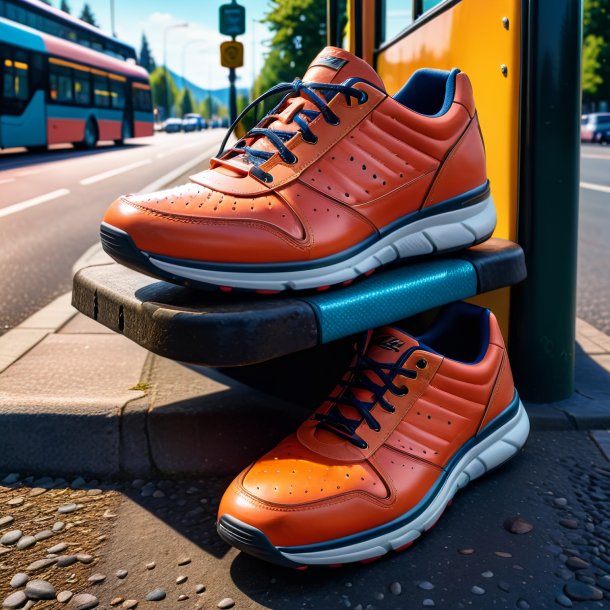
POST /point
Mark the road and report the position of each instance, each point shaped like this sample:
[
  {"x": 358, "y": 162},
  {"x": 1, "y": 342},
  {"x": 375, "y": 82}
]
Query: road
[
  {"x": 593, "y": 294},
  {"x": 51, "y": 205}
]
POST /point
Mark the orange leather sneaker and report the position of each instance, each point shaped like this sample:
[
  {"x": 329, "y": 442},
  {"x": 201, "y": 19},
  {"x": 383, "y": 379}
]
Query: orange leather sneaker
[
  {"x": 338, "y": 179},
  {"x": 412, "y": 421}
]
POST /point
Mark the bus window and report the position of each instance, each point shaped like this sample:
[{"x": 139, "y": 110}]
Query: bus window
[
  {"x": 398, "y": 14},
  {"x": 117, "y": 93},
  {"x": 142, "y": 101},
  {"x": 100, "y": 91},
  {"x": 82, "y": 88},
  {"x": 62, "y": 88},
  {"x": 15, "y": 80}
]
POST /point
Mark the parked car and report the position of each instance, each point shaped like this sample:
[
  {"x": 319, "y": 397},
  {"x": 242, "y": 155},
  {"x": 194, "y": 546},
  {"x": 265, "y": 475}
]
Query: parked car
[
  {"x": 224, "y": 123},
  {"x": 595, "y": 127},
  {"x": 215, "y": 123},
  {"x": 200, "y": 122},
  {"x": 190, "y": 124},
  {"x": 173, "y": 125}
]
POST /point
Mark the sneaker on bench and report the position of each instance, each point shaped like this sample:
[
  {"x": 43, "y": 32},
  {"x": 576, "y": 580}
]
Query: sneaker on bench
[
  {"x": 412, "y": 421},
  {"x": 337, "y": 180}
]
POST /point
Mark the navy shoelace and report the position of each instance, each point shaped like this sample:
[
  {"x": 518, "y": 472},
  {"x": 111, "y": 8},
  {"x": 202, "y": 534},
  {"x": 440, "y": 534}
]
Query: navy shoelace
[
  {"x": 336, "y": 422},
  {"x": 278, "y": 138}
]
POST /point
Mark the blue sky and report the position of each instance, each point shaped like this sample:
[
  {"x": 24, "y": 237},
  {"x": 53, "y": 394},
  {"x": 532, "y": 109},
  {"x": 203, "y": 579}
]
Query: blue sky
[{"x": 193, "y": 49}]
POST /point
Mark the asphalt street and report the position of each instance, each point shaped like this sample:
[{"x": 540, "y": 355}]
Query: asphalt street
[
  {"x": 593, "y": 294},
  {"x": 51, "y": 205}
]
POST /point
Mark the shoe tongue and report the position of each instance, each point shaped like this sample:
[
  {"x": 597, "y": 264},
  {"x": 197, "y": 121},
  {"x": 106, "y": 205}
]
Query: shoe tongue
[{"x": 334, "y": 65}]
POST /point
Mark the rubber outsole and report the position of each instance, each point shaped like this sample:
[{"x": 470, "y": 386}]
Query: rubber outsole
[
  {"x": 433, "y": 234},
  {"x": 495, "y": 449}
]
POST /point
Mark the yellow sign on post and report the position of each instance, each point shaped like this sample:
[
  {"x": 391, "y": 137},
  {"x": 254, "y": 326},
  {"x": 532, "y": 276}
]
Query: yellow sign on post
[{"x": 231, "y": 54}]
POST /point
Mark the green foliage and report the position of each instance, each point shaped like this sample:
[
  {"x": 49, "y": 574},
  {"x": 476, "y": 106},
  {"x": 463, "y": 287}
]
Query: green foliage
[
  {"x": 299, "y": 31},
  {"x": 146, "y": 59},
  {"x": 185, "y": 102},
  {"x": 65, "y": 7},
  {"x": 596, "y": 50},
  {"x": 87, "y": 15},
  {"x": 159, "y": 91}
]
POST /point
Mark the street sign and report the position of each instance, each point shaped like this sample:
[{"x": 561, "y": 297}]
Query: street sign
[
  {"x": 231, "y": 54},
  {"x": 232, "y": 19}
]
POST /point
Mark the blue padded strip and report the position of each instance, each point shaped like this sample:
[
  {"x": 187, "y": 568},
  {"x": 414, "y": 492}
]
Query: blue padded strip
[
  {"x": 424, "y": 91},
  {"x": 391, "y": 295}
]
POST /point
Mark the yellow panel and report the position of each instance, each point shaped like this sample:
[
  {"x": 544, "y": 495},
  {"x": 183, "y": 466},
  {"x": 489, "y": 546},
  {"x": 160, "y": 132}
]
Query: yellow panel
[{"x": 472, "y": 36}]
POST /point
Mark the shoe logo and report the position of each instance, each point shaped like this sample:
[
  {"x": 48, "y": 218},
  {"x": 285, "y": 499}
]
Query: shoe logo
[
  {"x": 334, "y": 63},
  {"x": 388, "y": 342}
]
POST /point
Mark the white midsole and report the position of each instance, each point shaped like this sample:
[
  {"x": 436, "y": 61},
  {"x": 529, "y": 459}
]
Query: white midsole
[
  {"x": 492, "y": 451},
  {"x": 450, "y": 230}
]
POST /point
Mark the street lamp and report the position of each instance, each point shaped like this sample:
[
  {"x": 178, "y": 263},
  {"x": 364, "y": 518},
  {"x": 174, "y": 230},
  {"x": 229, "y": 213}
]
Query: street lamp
[{"x": 167, "y": 29}]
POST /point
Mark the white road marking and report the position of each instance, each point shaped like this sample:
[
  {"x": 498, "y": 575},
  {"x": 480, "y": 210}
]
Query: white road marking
[
  {"x": 30, "y": 203},
  {"x": 594, "y": 156},
  {"x": 114, "y": 172},
  {"x": 163, "y": 181},
  {"x": 7, "y": 180},
  {"x": 595, "y": 187}
]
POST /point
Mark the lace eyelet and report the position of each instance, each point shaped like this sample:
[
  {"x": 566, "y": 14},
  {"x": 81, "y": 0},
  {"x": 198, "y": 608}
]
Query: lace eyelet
[
  {"x": 335, "y": 123},
  {"x": 422, "y": 363},
  {"x": 291, "y": 161},
  {"x": 314, "y": 140},
  {"x": 363, "y": 98}
]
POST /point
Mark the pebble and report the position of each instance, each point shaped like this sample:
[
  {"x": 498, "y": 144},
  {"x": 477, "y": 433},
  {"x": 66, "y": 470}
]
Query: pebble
[
  {"x": 564, "y": 600},
  {"x": 26, "y": 542},
  {"x": 64, "y": 596},
  {"x": 43, "y": 535},
  {"x": 121, "y": 574},
  {"x": 604, "y": 582},
  {"x": 41, "y": 564},
  {"x": 64, "y": 509},
  {"x": 465, "y": 551},
  {"x": 78, "y": 482},
  {"x": 502, "y": 554},
  {"x": 425, "y": 585},
  {"x": 58, "y": 548},
  {"x": 183, "y": 597},
  {"x": 183, "y": 561},
  {"x": 199, "y": 588},
  {"x": 570, "y": 524},
  {"x": 504, "y": 586},
  {"x": 44, "y": 482},
  {"x": 15, "y": 600},
  {"x": 11, "y": 478},
  {"x": 40, "y": 589},
  {"x": 84, "y": 601},
  {"x": 116, "y": 601},
  {"x": 181, "y": 579},
  {"x": 378, "y": 596},
  {"x": 58, "y": 526},
  {"x": 96, "y": 578},
  {"x": 19, "y": 580},
  {"x": 487, "y": 574},
  {"x": 84, "y": 558},
  {"x": 36, "y": 491},
  {"x": 227, "y": 602},
  {"x": 129, "y": 604},
  {"x": 523, "y": 604},
  {"x": 156, "y": 595},
  {"x": 6, "y": 520},
  {"x": 66, "y": 560},
  {"x": 137, "y": 483},
  {"x": 151, "y": 565},
  {"x": 158, "y": 494},
  {"x": 428, "y": 602},
  {"x": 18, "y": 501},
  {"x": 561, "y": 502},
  {"x": 517, "y": 525},
  {"x": 395, "y": 588},
  {"x": 478, "y": 590},
  {"x": 576, "y": 563},
  {"x": 94, "y": 492},
  {"x": 11, "y": 537},
  {"x": 581, "y": 591}
]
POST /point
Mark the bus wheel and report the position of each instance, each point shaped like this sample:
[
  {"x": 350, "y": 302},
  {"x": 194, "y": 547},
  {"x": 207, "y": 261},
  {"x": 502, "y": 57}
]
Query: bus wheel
[
  {"x": 39, "y": 148},
  {"x": 90, "y": 138},
  {"x": 125, "y": 134}
]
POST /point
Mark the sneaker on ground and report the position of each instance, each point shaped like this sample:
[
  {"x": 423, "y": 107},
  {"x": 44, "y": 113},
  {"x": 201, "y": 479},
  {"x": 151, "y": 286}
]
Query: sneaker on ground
[
  {"x": 337, "y": 180},
  {"x": 412, "y": 421}
]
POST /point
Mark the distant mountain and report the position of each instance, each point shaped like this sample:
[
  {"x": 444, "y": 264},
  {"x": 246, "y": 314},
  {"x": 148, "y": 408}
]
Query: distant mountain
[{"x": 221, "y": 96}]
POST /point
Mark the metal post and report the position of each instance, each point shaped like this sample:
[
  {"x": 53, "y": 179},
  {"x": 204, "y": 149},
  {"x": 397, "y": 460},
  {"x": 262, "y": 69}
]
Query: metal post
[
  {"x": 543, "y": 307},
  {"x": 232, "y": 95},
  {"x": 112, "y": 26}
]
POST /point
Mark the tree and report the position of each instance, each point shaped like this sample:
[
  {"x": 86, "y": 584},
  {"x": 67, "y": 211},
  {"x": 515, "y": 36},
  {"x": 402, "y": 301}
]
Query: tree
[
  {"x": 596, "y": 51},
  {"x": 65, "y": 7},
  {"x": 87, "y": 15},
  {"x": 185, "y": 102},
  {"x": 299, "y": 30},
  {"x": 159, "y": 90},
  {"x": 146, "y": 59}
]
